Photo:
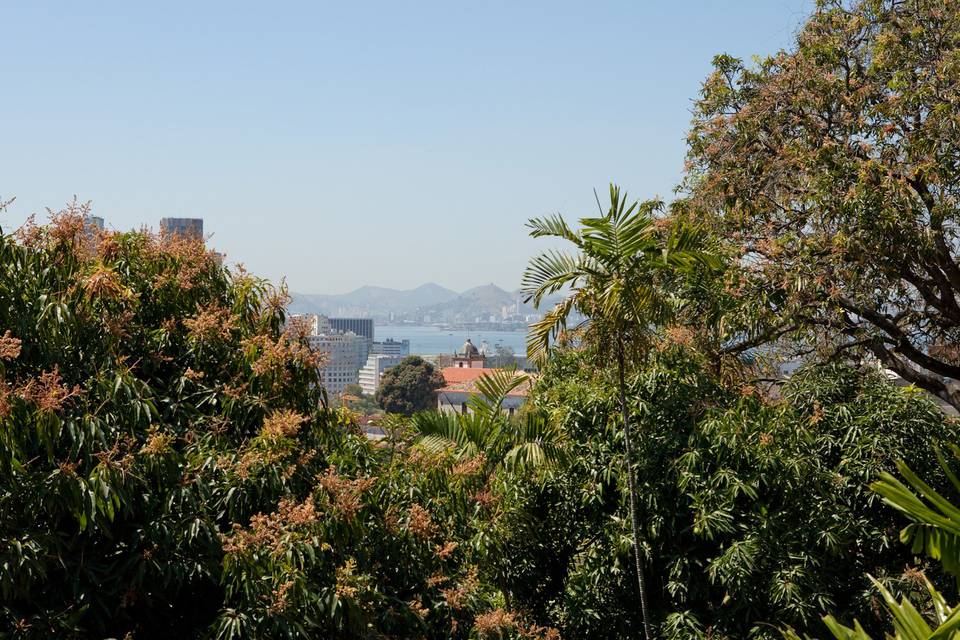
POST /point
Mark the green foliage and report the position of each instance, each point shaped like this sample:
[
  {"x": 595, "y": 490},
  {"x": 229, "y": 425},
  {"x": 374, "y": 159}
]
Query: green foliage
[
  {"x": 168, "y": 467},
  {"x": 830, "y": 171},
  {"x": 614, "y": 278},
  {"x": 934, "y": 531},
  {"x": 356, "y": 400},
  {"x": 489, "y": 436},
  {"x": 141, "y": 367},
  {"x": 758, "y": 514},
  {"x": 409, "y": 387}
]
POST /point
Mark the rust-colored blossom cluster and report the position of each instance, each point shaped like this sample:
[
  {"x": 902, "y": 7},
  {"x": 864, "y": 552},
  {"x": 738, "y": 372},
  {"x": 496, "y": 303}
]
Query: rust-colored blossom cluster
[
  {"x": 105, "y": 284},
  {"x": 6, "y": 403},
  {"x": 485, "y": 498},
  {"x": 499, "y": 622},
  {"x": 417, "y": 607},
  {"x": 211, "y": 322},
  {"x": 420, "y": 523},
  {"x": 428, "y": 460},
  {"x": 47, "y": 392},
  {"x": 270, "y": 532},
  {"x": 118, "y": 325},
  {"x": 458, "y": 595},
  {"x": 447, "y": 549},
  {"x": 493, "y": 624},
  {"x": 274, "y": 356},
  {"x": 118, "y": 457},
  {"x": 469, "y": 466},
  {"x": 186, "y": 259},
  {"x": 354, "y": 586},
  {"x": 679, "y": 335},
  {"x": 192, "y": 375},
  {"x": 283, "y": 424},
  {"x": 437, "y": 579},
  {"x": 9, "y": 346},
  {"x": 346, "y": 493},
  {"x": 157, "y": 442},
  {"x": 280, "y": 598}
]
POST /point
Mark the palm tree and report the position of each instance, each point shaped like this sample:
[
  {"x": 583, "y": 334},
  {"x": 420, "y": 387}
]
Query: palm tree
[
  {"x": 513, "y": 442},
  {"x": 610, "y": 280}
]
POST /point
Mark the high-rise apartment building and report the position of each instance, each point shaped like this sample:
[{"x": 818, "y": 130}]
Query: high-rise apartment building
[
  {"x": 184, "y": 227},
  {"x": 345, "y": 354},
  {"x": 372, "y": 371},
  {"x": 314, "y": 324},
  {"x": 360, "y": 326},
  {"x": 345, "y": 351}
]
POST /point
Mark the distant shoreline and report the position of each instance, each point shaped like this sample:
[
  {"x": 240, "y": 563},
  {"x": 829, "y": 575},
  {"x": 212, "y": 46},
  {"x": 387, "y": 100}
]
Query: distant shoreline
[{"x": 433, "y": 340}]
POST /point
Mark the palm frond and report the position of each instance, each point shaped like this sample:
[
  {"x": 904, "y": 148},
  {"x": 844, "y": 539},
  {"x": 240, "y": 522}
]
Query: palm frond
[
  {"x": 935, "y": 530},
  {"x": 552, "y": 226},
  {"x": 548, "y": 328},
  {"x": 908, "y": 623},
  {"x": 438, "y": 432},
  {"x": 494, "y": 387},
  {"x": 548, "y": 273},
  {"x": 536, "y": 442},
  {"x": 636, "y": 236},
  {"x": 684, "y": 250}
]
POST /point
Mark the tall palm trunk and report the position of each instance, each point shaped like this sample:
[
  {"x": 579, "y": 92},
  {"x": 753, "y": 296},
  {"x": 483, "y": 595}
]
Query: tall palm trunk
[{"x": 632, "y": 487}]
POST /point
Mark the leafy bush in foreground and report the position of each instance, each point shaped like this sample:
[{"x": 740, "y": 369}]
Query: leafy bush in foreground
[
  {"x": 757, "y": 511},
  {"x": 167, "y": 467}
]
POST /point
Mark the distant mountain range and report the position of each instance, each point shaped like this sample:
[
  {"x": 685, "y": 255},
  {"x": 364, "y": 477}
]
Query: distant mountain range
[{"x": 427, "y": 302}]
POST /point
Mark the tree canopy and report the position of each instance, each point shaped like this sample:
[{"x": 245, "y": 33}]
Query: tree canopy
[
  {"x": 168, "y": 467},
  {"x": 409, "y": 387},
  {"x": 832, "y": 170}
]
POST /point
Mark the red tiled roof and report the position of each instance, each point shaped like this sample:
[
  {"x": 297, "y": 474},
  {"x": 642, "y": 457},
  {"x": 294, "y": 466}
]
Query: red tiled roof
[
  {"x": 454, "y": 375},
  {"x": 463, "y": 380}
]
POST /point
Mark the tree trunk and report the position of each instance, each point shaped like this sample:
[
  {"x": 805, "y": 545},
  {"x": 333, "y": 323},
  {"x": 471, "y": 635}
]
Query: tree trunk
[{"x": 632, "y": 485}]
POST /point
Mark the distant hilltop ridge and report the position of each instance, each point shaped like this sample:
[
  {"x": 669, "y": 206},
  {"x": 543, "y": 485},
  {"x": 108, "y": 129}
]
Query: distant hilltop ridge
[{"x": 427, "y": 303}]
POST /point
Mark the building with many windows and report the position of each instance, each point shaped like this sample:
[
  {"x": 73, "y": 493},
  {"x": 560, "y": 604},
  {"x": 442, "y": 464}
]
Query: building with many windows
[
  {"x": 344, "y": 354},
  {"x": 184, "y": 227},
  {"x": 360, "y": 326},
  {"x": 373, "y": 370},
  {"x": 313, "y": 324},
  {"x": 391, "y": 347}
]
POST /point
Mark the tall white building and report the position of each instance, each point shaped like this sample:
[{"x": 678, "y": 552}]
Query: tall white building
[
  {"x": 391, "y": 347},
  {"x": 345, "y": 353},
  {"x": 372, "y": 371}
]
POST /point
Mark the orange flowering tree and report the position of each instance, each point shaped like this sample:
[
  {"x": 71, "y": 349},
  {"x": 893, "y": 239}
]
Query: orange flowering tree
[
  {"x": 168, "y": 467},
  {"x": 832, "y": 169}
]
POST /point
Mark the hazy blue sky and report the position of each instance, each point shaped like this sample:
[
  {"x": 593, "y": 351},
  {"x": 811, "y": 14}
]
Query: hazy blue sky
[{"x": 350, "y": 143}]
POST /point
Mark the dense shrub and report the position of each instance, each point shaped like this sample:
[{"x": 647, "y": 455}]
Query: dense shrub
[
  {"x": 168, "y": 469},
  {"x": 755, "y": 508}
]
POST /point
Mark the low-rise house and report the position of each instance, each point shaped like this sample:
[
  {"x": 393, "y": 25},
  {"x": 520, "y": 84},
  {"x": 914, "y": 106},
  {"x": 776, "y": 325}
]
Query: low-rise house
[{"x": 461, "y": 385}]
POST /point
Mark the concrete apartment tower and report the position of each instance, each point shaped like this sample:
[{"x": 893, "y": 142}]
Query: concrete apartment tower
[{"x": 184, "y": 227}]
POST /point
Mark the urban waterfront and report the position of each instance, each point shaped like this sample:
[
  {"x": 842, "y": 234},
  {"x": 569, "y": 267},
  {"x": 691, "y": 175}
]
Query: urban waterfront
[{"x": 430, "y": 340}]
